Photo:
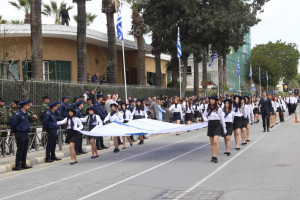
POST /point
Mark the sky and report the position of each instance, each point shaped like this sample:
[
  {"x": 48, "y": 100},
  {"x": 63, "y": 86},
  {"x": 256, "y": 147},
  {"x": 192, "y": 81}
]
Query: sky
[{"x": 279, "y": 20}]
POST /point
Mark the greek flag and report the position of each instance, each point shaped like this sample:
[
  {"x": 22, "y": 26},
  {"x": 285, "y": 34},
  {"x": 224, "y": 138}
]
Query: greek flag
[
  {"x": 267, "y": 76},
  {"x": 259, "y": 74},
  {"x": 179, "y": 53},
  {"x": 238, "y": 67},
  {"x": 119, "y": 24},
  {"x": 215, "y": 56},
  {"x": 250, "y": 72}
]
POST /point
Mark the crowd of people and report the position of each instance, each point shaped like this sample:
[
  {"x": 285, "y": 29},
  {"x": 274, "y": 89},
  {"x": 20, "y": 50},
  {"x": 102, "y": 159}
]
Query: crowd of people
[{"x": 226, "y": 116}]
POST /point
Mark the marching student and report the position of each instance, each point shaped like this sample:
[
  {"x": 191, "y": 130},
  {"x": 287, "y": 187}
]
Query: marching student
[
  {"x": 282, "y": 105},
  {"x": 127, "y": 116},
  {"x": 92, "y": 121},
  {"x": 114, "y": 116},
  {"x": 214, "y": 115},
  {"x": 273, "y": 110},
  {"x": 188, "y": 110},
  {"x": 197, "y": 111},
  {"x": 255, "y": 110},
  {"x": 73, "y": 125},
  {"x": 140, "y": 112},
  {"x": 250, "y": 116},
  {"x": 245, "y": 119},
  {"x": 277, "y": 111},
  {"x": 176, "y": 109},
  {"x": 237, "y": 121},
  {"x": 228, "y": 118}
]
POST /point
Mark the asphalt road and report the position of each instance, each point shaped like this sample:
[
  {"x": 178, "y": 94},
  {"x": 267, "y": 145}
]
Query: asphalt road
[{"x": 172, "y": 167}]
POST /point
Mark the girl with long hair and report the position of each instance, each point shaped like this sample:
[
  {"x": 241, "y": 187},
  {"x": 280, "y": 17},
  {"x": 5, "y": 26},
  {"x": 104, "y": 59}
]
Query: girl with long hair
[
  {"x": 127, "y": 116},
  {"x": 189, "y": 111},
  {"x": 176, "y": 109},
  {"x": 197, "y": 111},
  {"x": 228, "y": 118},
  {"x": 237, "y": 121},
  {"x": 255, "y": 110},
  {"x": 140, "y": 113}
]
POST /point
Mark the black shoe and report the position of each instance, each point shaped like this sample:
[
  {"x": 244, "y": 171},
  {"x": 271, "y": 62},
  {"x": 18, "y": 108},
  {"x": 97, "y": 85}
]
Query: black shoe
[
  {"x": 56, "y": 159},
  {"x": 104, "y": 147},
  {"x": 73, "y": 163},
  {"x": 141, "y": 142},
  {"x": 228, "y": 153},
  {"x": 264, "y": 130},
  {"x": 26, "y": 167},
  {"x": 216, "y": 160},
  {"x": 17, "y": 168},
  {"x": 244, "y": 143},
  {"x": 49, "y": 160},
  {"x": 83, "y": 152},
  {"x": 225, "y": 152},
  {"x": 237, "y": 149},
  {"x": 78, "y": 154},
  {"x": 116, "y": 150},
  {"x": 212, "y": 159},
  {"x": 268, "y": 130},
  {"x": 247, "y": 140}
]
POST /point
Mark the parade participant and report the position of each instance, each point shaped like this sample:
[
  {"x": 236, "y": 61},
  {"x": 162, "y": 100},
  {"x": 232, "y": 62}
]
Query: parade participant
[
  {"x": 228, "y": 118},
  {"x": 237, "y": 121},
  {"x": 58, "y": 112},
  {"x": 92, "y": 121},
  {"x": 265, "y": 106},
  {"x": 20, "y": 128},
  {"x": 290, "y": 103},
  {"x": 114, "y": 116},
  {"x": 140, "y": 113},
  {"x": 188, "y": 110},
  {"x": 131, "y": 105},
  {"x": 197, "y": 111},
  {"x": 50, "y": 126},
  {"x": 272, "y": 115},
  {"x": 64, "y": 106},
  {"x": 255, "y": 110},
  {"x": 75, "y": 100},
  {"x": 283, "y": 109},
  {"x": 176, "y": 109},
  {"x": 167, "y": 114},
  {"x": 214, "y": 115},
  {"x": 78, "y": 114},
  {"x": 220, "y": 103},
  {"x": 99, "y": 110},
  {"x": 160, "y": 110},
  {"x": 245, "y": 119},
  {"x": 250, "y": 116},
  {"x": 277, "y": 111},
  {"x": 127, "y": 116},
  {"x": 73, "y": 125},
  {"x": 89, "y": 104}
]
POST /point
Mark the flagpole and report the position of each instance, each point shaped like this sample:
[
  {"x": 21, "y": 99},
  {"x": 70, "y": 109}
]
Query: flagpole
[
  {"x": 124, "y": 68},
  {"x": 240, "y": 84},
  {"x": 179, "y": 78}
]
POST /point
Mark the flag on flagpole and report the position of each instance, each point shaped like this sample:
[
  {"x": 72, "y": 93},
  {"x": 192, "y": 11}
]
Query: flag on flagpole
[
  {"x": 238, "y": 67},
  {"x": 250, "y": 72},
  {"x": 267, "y": 76},
  {"x": 215, "y": 56},
  {"x": 119, "y": 24},
  {"x": 259, "y": 74},
  {"x": 179, "y": 52}
]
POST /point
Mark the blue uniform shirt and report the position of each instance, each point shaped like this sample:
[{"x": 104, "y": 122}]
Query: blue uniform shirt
[
  {"x": 78, "y": 113},
  {"x": 20, "y": 124},
  {"x": 64, "y": 109},
  {"x": 49, "y": 121},
  {"x": 99, "y": 110}
]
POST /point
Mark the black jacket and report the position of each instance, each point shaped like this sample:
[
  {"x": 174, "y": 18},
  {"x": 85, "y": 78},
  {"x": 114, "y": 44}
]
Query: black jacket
[
  {"x": 64, "y": 14},
  {"x": 266, "y": 105}
]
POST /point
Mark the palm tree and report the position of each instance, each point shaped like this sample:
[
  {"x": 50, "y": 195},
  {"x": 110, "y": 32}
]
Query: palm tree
[
  {"x": 109, "y": 8},
  {"x": 81, "y": 41},
  {"x": 157, "y": 52},
  {"x": 89, "y": 18},
  {"x": 52, "y": 10},
  {"x": 23, "y": 5},
  {"x": 36, "y": 39},
  {"x": 2, "y": 21}
]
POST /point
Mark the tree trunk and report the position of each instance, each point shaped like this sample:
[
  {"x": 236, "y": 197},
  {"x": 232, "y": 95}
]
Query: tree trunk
[
  {"x": 204, "y": 70},
  {"x": 27, "y": 18},
  {"x": 36, "y": 40},
  {"x": 184, "y": 78},
  {"x": 81, "y": 42},
  {"x": 196, "y": 77},
  {"x": 141, "y": 60},
  {"x": 174, "y": 64},
  {"x": 224, "y": 70},
  {"x": 158, "y": 71},
  {"x": 112, "y": 49},
  {"x": 220, "y": 75}
]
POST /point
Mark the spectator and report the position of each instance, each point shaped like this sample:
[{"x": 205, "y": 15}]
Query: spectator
[
  {"x": 64, "y": 14},
  {"x": 102, "y": 80},
  {"x": 107, "y": 103},
  {"x": 95, "y": 78}
]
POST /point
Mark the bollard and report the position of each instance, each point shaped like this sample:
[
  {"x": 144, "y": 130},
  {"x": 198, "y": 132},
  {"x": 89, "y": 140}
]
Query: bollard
[{"x": 296, "y": 120}]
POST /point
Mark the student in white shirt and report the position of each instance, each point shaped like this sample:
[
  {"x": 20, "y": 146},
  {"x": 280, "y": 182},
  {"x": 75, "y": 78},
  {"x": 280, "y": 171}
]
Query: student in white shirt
[
  {"x": 216, "y": 126},
  {"x": 127, "y": 116},
  {"x": 255, "y": 110},
  {"x": 189, "y": 111},
  {"x": 92, "y": 121},
  {"x": 238, "y": 120},
  {"x": 228, "y": 118},
  {"x": 114, "y": 116},
  {"x": 277, "y": 106},
  {"x": 73, "y": 125},
  {"x": 250, "y": 116},
  {"x": 197, "y": 111},
  {"x": 140, "y": 113},
  {"x": 176, "y": 109}
]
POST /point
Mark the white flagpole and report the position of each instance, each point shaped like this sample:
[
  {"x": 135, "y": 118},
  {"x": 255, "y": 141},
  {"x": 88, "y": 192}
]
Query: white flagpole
[
  {"x": 179, "y": 77},
  {"x": 124, "y": 68},
  {"x": 240, "y": 84}
]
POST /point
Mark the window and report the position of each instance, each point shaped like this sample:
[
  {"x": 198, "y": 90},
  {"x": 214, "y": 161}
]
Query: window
[
  {"x": 189, "y": 70},
  {"x": 26, "y": 68},
  {"x": 60, "y": 71},
  {"x": 46, "y": 70},
  {"x": 151, "y": 78},
  {"x": 14, "y": 68}
]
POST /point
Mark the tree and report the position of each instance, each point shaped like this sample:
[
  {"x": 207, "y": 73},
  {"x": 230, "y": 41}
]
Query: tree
[
  {"x": 23, "y": 5},
  {"x": 36, "y": 39},
  {"x": 53, "y": 10},
  {"x": 81, "y": 41},
  {"x": 16, "y": 22},
  {"x": 89, "y": 18},
  {"x": 109, "y": 8},
  {"x": 3, "y": 21},
  {"x": 156, "y": 52}
]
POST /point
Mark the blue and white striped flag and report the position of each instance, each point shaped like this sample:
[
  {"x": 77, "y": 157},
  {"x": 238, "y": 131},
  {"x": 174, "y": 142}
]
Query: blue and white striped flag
[
  {"x": 250, "y": 72},
  {"x": 119, "y": 24},
  {"x": 238, "y": 67},
  {"x": 179, "y": 52},
  {"x": 259, "y": 74},
  {"x": 267, "y": 76},
  {"x": 215, "y": 56}
]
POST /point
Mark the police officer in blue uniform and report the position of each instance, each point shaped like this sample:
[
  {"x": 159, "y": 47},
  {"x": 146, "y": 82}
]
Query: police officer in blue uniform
[
  {"x": 64, "y": 106},
  {"x": 78, "y": 113},
  {"x": 51, "y": 127},
  {"x": 99, "y": 110},
  {"x": 20, "y": 128}
]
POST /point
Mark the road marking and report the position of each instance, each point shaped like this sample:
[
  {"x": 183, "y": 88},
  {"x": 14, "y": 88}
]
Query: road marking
[
  {"x": 141, "y": 173},
  {"x": 221, "y": 167},
  {"x": 91, "y": 170}
]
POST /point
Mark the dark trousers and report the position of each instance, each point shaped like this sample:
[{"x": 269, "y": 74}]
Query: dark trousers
[
  {"x": 99, "y": 142},
  {"x": 51, "y": 144},
  {"x": 22, "y": 146},
  {"x": 65, "y": 21},
  {"x": 78, "y": 144},
  {"x": 119, "y": 140},
  {"x": 290, "y": 108},
  {"x": 266, "y": 119},
  {"x": 281, "y": 115}
]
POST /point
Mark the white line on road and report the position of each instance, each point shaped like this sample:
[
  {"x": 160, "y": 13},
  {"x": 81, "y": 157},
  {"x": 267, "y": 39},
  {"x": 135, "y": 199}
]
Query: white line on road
[
  {"x": 91, "y": 170},
  {"x": 141, "y": 173},
  {"x": 221, "y": 167}
]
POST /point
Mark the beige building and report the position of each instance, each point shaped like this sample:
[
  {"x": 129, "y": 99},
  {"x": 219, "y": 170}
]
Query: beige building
[{"x": 60, "y": 54}]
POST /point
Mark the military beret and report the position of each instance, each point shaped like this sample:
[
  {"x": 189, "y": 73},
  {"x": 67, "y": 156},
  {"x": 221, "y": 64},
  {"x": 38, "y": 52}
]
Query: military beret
[
  {"x": 119, "y": 101},
  {"x": 91, "y": 108},
  {"x": 89, "y": 99},
  {"x": 75, "y": 98}
]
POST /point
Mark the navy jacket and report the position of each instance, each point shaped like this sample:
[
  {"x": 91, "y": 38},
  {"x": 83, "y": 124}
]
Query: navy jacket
[
  {"x": 94, "y": 79},
  {"x": 63, "y": 109},
  {"x": 78, "y": 113},
  {"x": 266, "y": 105},
  {"x": 131, "y": 108},
  {"x": 49, "y": 121},
  {"x": 20, "y": 124},
  {"x": 99, "y": 110}
]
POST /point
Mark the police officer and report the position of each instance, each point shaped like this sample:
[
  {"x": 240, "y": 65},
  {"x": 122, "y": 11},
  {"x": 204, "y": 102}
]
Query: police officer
[
  {"x": 75, "y": 100},
  {"x": 99, "y": 110},
  {"x": 20, "y": 128},
  {"x": 64, "y": 106},
  {"x": 51, "y": 127},
  {"x": 58, "y": 112},
  {"x": 78, "y": 113},
  {"x": 3, "y": 123}
]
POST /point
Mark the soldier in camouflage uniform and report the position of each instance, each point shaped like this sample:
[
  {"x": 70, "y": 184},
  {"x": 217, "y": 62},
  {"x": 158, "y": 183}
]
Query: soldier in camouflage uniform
[
  {"x": 43, "y": 110},
  {"x": 3, "y": 124},
  {"x": 88, "y": 105},
  {"x": 33, "y": 121},
  {"x": 85, "y": 106}
]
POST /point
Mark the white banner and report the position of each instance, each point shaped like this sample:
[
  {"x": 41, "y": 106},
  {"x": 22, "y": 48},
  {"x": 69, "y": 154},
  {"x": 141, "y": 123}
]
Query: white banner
[{"x": 141, "y": 126}]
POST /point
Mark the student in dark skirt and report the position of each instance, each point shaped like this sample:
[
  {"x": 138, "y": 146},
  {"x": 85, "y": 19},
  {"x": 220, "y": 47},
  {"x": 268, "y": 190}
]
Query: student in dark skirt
[
  {"x": 127, "y": 116},
  {"x": 73, "y": 125},
  {"x": 92, "y": 121},
  {"x": 140, "y": 113},
  {"x": 228, "y": 117},
  {"x": 197, "y": 111},
  {"x": 176, "y": 109},
  {"x": 189, "y": 111},
  {"x": 216, "y": 126},
  {"x": 237, "y": 121},
  {"x": 245, "y": 120},
  {"x": 255, "y": 110}
]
